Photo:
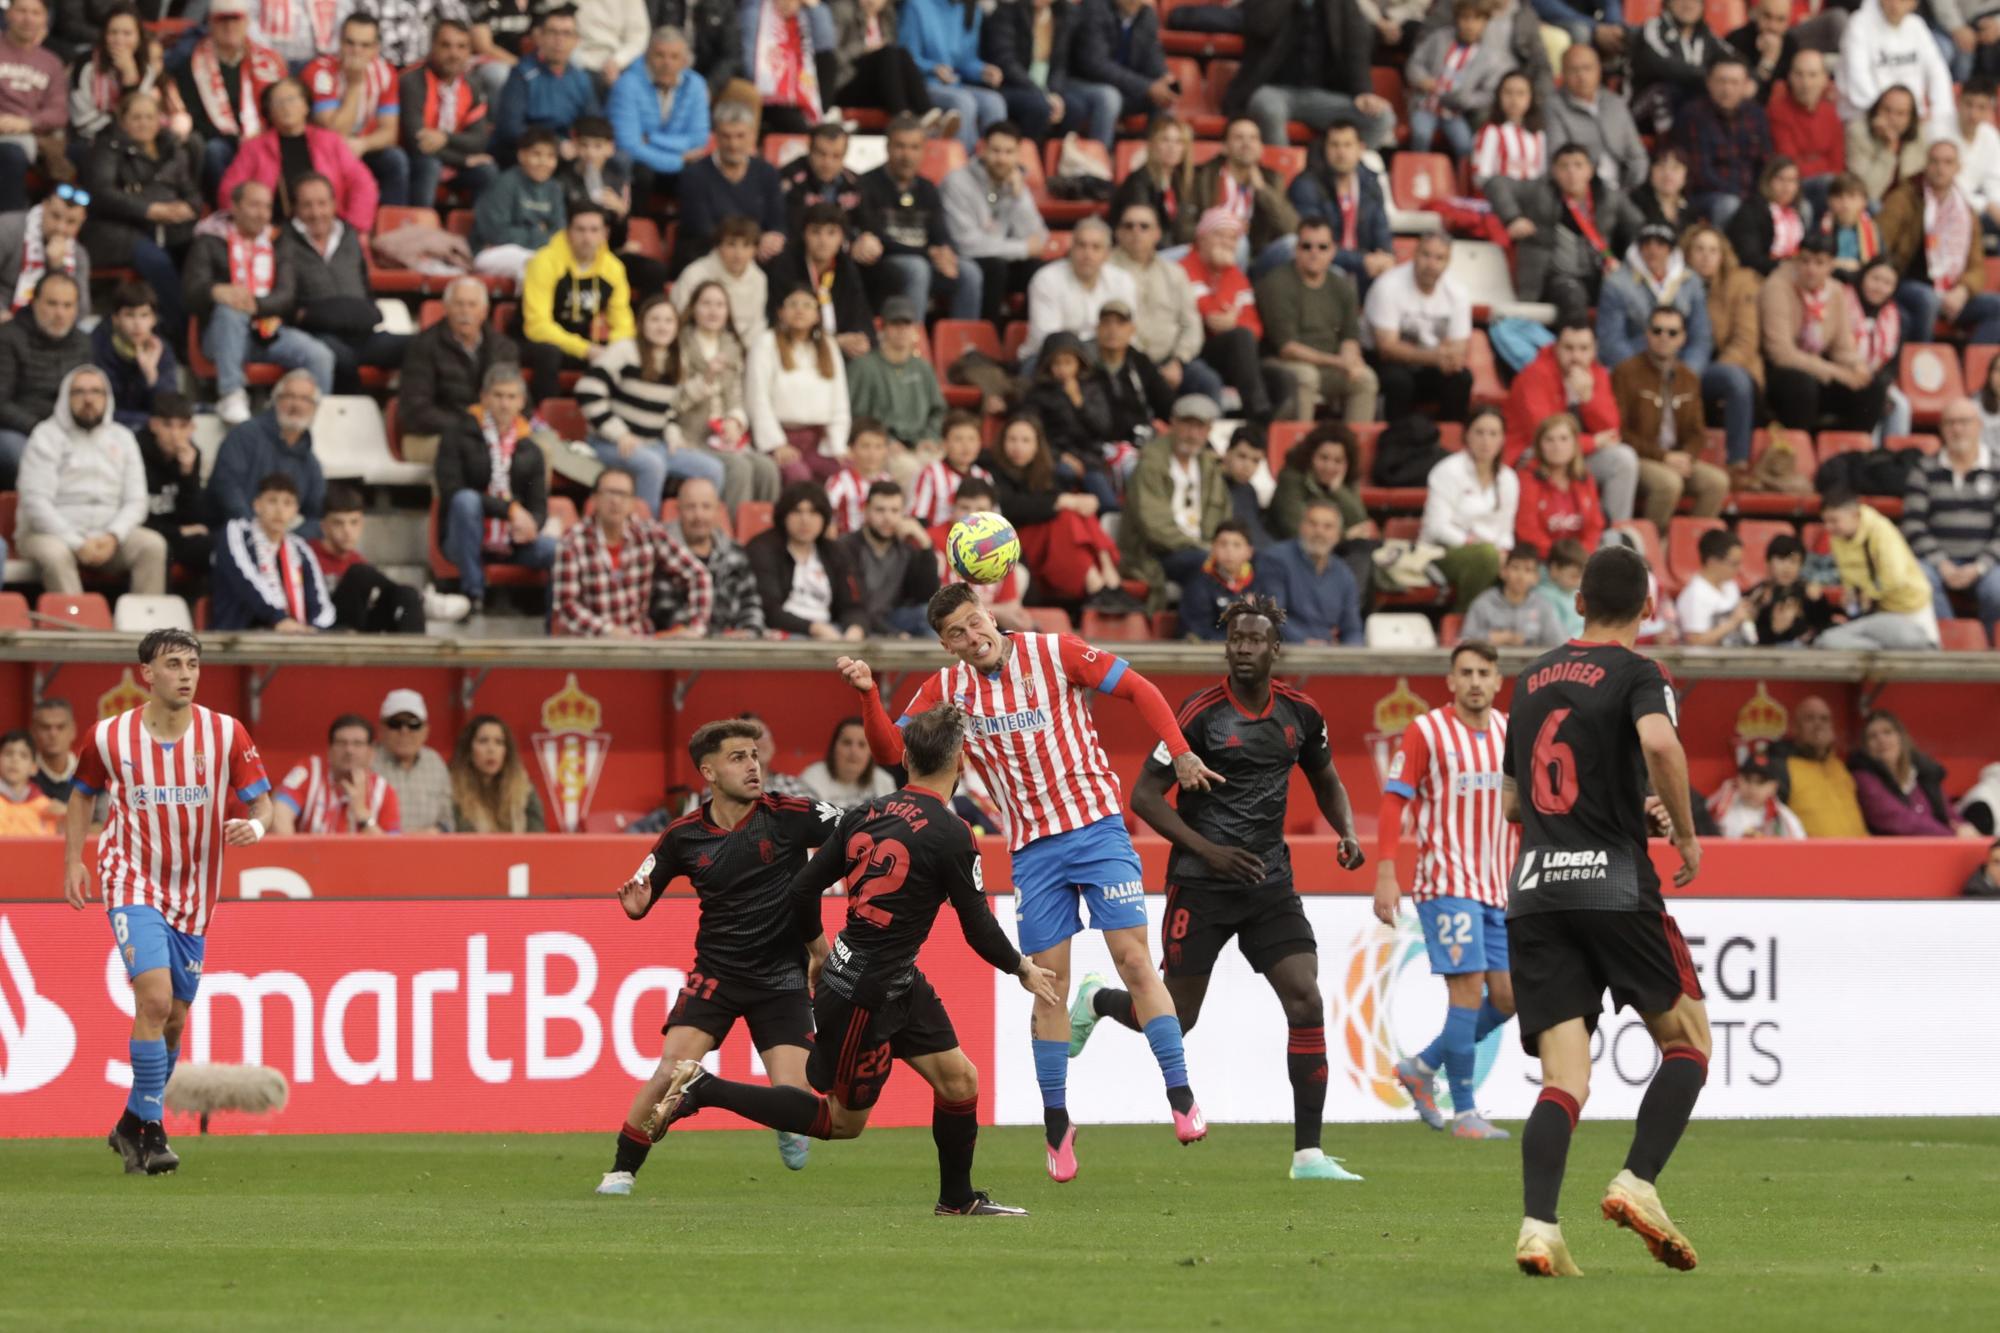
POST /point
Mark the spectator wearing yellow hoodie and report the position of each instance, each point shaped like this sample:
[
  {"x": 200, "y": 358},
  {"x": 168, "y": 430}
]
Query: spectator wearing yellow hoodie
[
  {"x": 575, "y": 300},
  {"x": 1879, "y": 571}
]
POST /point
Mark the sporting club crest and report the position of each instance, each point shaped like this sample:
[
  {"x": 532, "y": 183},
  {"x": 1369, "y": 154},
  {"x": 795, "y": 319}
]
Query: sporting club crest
[
  {"x": 123, "y": 697},
  {"x": 1393, "y": 712},
  {"x": 571, "y": 751}
]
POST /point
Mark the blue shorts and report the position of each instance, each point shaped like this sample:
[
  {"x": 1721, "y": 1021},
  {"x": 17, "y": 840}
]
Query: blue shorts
[
  {"x": 146, "y": 941},
  {"x": 1054, "y": 875},
  {"x": 1462, "y": 935}
]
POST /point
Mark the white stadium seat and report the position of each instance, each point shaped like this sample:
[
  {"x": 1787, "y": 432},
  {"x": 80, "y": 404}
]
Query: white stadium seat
[
  {"x": 137, "y": 613},
  {"x": 352, "y": 443},
  {"x": 1400, "y": 629}
]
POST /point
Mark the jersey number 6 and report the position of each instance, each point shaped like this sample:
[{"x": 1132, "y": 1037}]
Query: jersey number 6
[{"x": 1555, "y": 768}]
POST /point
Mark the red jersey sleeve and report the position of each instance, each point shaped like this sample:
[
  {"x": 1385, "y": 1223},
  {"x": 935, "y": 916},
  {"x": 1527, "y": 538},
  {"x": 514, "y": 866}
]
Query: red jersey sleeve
[
  {"x": 928, "y": 696},
  {"x": 1092, "y": 668},
  {"x": 246, "y": 767},
  {"x": 91, "y": 773},
  {"x": 1412, "y": 762},
  {"x": 391, "y": 816}
]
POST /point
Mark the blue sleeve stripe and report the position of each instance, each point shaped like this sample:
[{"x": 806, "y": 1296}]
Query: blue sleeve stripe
[
  {"x": 80, "y": 785},
  {"x": 1402, "y": 789},
  {"x": 254, "y": 790},
  {"x": 289, "y": 801},
  {"x": 902, "y": 721},
  {"x": 1113, "y": 676}
]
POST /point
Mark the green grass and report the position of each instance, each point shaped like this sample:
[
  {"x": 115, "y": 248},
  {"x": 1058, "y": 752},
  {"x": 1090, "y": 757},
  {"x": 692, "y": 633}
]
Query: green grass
[{"x": 1830, "y": 1224}]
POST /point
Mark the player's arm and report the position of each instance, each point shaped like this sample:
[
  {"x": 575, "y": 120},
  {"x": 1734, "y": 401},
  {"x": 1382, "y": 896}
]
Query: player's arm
[
  {"x": 1149, "y": 802},
  {"x": 1510, "y": 800},
  {"x": 964, "y": 886},
  {"x": 246, "y": 832},
  {"x": 885, "y": 737},
  {"x": 1110, "y": 674},
  {"x": 1666, "y": 765},
  {"x": 827, "y": 868},
  {"x": 638, "y": 894},
  {"x": 1405, "y": 771},
  {"x": 76, "y": 828},
  {"x": 1329, "y": 792}
]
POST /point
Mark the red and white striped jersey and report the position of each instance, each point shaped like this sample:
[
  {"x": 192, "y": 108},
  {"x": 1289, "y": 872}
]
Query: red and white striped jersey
[
  {"x": 319, "y": 805},
  {"x": 1451, "y": 776},
  {"x": 326, "y": 82},
  {"x": 162, "y": 840},
  {"x": 848, "y": 494},
  {"x": 1029, "y": 734},
  {"x": 934, "y": 490}
]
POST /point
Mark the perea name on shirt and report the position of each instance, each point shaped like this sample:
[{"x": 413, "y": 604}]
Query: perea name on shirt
[
  {"x": 1586, "y": 674},
  {"x": 909, "y": 812}
]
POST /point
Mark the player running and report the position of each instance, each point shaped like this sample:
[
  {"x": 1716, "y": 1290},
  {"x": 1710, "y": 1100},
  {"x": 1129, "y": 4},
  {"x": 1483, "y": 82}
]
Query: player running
[
  {"x": 903, "y": 856},
  {"x": 1593, "y": 721},
  {"x": 741, "y": 850},
  {"x": 1230, "y": 873},
  {"x": 1031, "y": 741},
  {"x": 1449, "y": 770},
  {"x": 167, "y": 768}
]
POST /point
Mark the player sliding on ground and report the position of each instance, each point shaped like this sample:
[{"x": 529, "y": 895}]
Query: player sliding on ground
[
  {"x": 166, "y": 769},
  {"x": 1032, "y": 742},
  {"x": 1449, "y": 771},
  {"x": 1231, "y": 873},
  {"x": 741, "y": 850},
  {"x": 1593, "y": 721},
  {"x": 902, "y": 856}
]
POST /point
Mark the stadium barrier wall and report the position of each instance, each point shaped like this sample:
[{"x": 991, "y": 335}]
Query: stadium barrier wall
[{"x": 522, "y": 1016}]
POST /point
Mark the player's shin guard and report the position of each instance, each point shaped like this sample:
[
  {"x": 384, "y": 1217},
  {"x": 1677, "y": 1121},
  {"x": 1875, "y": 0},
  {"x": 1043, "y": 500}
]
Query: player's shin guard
[
  {"x": 1052, "y": 1073},
  {"x": 149, "y": 1079},
  {"x": 1490, "y": 1018},
  {"x": 955, "y": 1130},
  {"x": 1460, "y": 1041},
  {"x": 1545, "y": 1152},
  {"x": 1163, "y": 1034},
  {"x": 1664, "y": 1112},
  {"x": 1115, "y": 1005},
  {"x": 633, "y": 1145},
  {"x": 793, "y": 1110},
  {"x": 1305, "y": 1063}
]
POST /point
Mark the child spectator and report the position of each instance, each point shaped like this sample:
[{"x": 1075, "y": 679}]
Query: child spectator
[
  {"x": 1512, "y": 615},
  {"x": 1855, "y": 239},
  {"x": 1240, "y": 466},
  {"x": 935, "y": 490},
  {"x": 1224, "y": 578},
  {"x": 1713, "y": 611},
  {"x": 733, "y": 266},
  {"x": 1880, "y": 576},
  {"x": 1562, "y": 580},
  {"x": 24, "y": 811},
  {"x": 1451, "y": 76},
  {"x": 1511, "y": 146},
  {"x": 177, "y": 507},
  {"x": 129, "y": 350},
  {"x": 364, "y": 598},
  {"x": 1790, "y": 610},
  {"x": 521, "y": 211},
  {"x": 1747, "y": 806},
  {"x": 803, "y": 575},
  {"x": 265, "y": 575},
  {"x": 867, "y": 462}
]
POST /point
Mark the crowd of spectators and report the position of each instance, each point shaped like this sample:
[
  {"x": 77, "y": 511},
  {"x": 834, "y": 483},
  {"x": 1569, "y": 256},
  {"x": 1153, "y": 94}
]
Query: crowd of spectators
[{"x": 1735, "y": 230}]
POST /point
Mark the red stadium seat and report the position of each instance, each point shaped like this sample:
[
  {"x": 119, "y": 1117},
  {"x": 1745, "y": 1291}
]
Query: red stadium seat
[
  {"x": 391, "y": 217},
  {"x": 202, "y": 607},
  {"x": 564, "y": 417},
  {"x": 1287, "y": 162},
  {"x": 1058, "y": 246},
  {"x": 1415, "y": 179},
  {"x": 956, "y": 337},
  {"x": 1757, "y": 534},
  {"x": 1050, "y": 620},
  {"x": 752, "y": 517},
  {"x": 459, "y": 222},
  {"x": 1403, "y": 529},
  {"x": 9, "y": 505},
  {"x": 1126, "y": 161},
  {"x": 643, "y": 236},
  {"x": 1211, "y": 125},
  {"x": 1724, "y": 16},
  {"x": 1194, "y": 43},
  {"x": 1684, "y": 536},
  {"x": 1283, "y": 435},
  {"x": 780, "y": 149},
  {"x": 255, "y": 375},
  {"x": 1015, "y": 338},
  {"x": 429, "y": 313},
  {"x": 1450, "y": 629},
  {"x": 398, "y": 281},
  {"x": 1451, "y": 436},
  {"x": 1108, "y": 627},
  {"x": 497, "y": 576},
  {"x": 1924, "y": 444},
  {"x": 1166, "y": 625},
  {"x": 1640, "y": 12},
  {"x": 75, "y": 610},
  {"x": 1831, "y": 442},
  {"x": 1978, "y": 362},
  {"x": 1930, "y": 378},
  {"x": 1388, "y": 85},
  {"x": 1962, "y": 636},
  {"x": 941, "y": 158},
  {"x": 1648, "y": 539},
  {"x": 1195, "y": 97},
  {"x": 1487, "y": 389},
  {"x": 1775, "y": 503},
  {"x": 14, "y": 611}
]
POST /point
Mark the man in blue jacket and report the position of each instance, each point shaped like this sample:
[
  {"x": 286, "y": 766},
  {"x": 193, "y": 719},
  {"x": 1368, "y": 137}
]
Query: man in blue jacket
[
  {"x": 1117, "y": 66},
  {"x": 659, "y": 113},
  {"x": 1338, "y": 188},
  {"x": 544, "y": 91},
  {"x": 264, "y": 576},
  {"x": 279, "y": 440},
  {"x": 1321, "y": 602}
]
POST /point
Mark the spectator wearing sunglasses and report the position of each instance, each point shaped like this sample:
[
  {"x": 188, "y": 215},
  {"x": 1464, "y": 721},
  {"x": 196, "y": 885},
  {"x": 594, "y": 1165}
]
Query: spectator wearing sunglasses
[
  {"x": 1312, "y": 328},
  {"x": 42, "y": 240},
  {"x": 1659, "y": 406},
  {"x": 415, "y": 772}
]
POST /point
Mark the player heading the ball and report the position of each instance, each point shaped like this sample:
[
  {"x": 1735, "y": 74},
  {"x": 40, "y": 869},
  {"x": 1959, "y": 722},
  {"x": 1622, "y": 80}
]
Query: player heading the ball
[
  {"x": 166, "y": 770},
  {"x": 1030, "y": 738}
]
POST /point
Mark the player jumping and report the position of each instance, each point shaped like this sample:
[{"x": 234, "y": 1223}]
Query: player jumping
[
  {"x": 1449, "y": 769},
  {"x": 1593, "y": 720},
  {"x": 167, "y": 768},
  {"x": 1032, "y": 742},
  {"x": 903, "y": 856},
  {"x": 741, "y": 850},
  {"x": 1231, "y": 873}
]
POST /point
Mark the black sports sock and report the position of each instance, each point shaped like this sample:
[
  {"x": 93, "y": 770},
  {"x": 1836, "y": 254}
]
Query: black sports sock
[
  {"x": 129, "y": 1124},
  {"x": 1305, "y": 1063},
  {"x": 955, "y": 1130},
  {"x": 1181, "y": 1098},
  {"x": 1664, "y": 1112},
  {"x": 1117, "y": 1006},
  {"x": 1545, "y": 1152},
  {"x": 1055, "y": 1123},
  {"x": 793, "y": 1110},
  {"x": 633, "y": 1145}
]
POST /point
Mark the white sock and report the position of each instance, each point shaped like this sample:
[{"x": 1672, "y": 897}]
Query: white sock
[{"x": 1305, "y": 1156}]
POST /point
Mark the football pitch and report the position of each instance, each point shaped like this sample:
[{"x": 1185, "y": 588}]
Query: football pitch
[{"x": 1820, "y": 1224}]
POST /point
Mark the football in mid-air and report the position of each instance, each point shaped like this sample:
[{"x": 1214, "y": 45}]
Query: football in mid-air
[{"x": 983, "y": 547}]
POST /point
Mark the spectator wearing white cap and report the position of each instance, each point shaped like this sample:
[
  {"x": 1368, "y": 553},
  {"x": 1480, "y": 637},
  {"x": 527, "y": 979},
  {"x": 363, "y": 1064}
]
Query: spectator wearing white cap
[{"x": 414, "y": 771}]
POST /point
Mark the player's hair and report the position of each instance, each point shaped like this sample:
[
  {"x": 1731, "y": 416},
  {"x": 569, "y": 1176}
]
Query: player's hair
[
  {"x": 1254, "y": 605},
  {"x": 54, "y": 706},
  {"x": 866, "y": 426},
  {"x": 1716, "y": 544},
  {"x": 1525, "y": 552},
  {"x": 933, "y": 737},
  {"x": 709, "y": 737},
  {"x": 946, "y": 601},
  {"x": 150, "y": 647},
  {"x": 1615, "y": 586},
  {"x": 343, "y": 499},
  {"x": 959, "y": 419},
  {"x": 346, "y": 720},
  {"x": 1479, "y": 648}
]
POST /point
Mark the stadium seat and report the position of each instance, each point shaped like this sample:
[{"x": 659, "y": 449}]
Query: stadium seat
[
  {"x": 429, "y": 313},
  {"x": 1204, "y": 44},
  {"x": 1166, "y": 625},
  {"x": 137, "y": 613},
  {"x": 1400, "y": 629},
  {"x": 1050, "y": 620},
  {"x": 1210, "y": 125},
  {"x": 780, "y": 150},
  {"x": 1638, "y": 13},
  {"x": 1487, "y": 388},
  {"x": 1450, "y": 629},
  {"x": 642, "y": 235},
  {"x": 1058, "y": 212},
  {"x": 564, "y": 417},
  {"x": 1481, "y": 268},
  {"x": 1774, "y": 503},
  {"x": 611, "y": 821},
  {"x": 1109, "y": 627},
  {"x": 1388, "y": 85},
  {"x": 1451, "y": 436},
  {"x": 1962, "y": 636},
  {"x": 14, "y": 612},
  {"x": 16, "y": 570},
  {"x": 1756, "y": 534},
  {"x": 1366, "y": 434},
  {"x": 1978, "y": 361},
  {"x": 1831, "y": 442},
  {"x": 79, "y": 610},
  {"x": 202, "y": 606},
  {"x": 752, "y": 517},
  {"x": 1724, "y": 16},
  {"x": 1643, "y": 535},
  {"x": 1684, "y": 536},
  {"x": 1057, "y": 246},
  {"x": 1929, "y": 379},
  {"x": 255, "y": 375},
  {"x": 941, "y": 158},
  {"x": 351, "y": 440},
  {"x": 1924, "y": 444},
  {"x": 1130, "y": 156},
  {"x": 1415, "y": 179},
  {"x": 1283, "y": 435},
  {"x": 1013, "y": 339},
  {"x": 399, "y": 281},
  {"x": 497, "y": 576}
]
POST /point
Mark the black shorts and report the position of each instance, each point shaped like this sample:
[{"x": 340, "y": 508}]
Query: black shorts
[
  {"x": 1563, "y": 962},
  {"x": 1269, "y": 924},
  {"x": 775, "y": 1017},
  {"x": 852, "y": 1062}
]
